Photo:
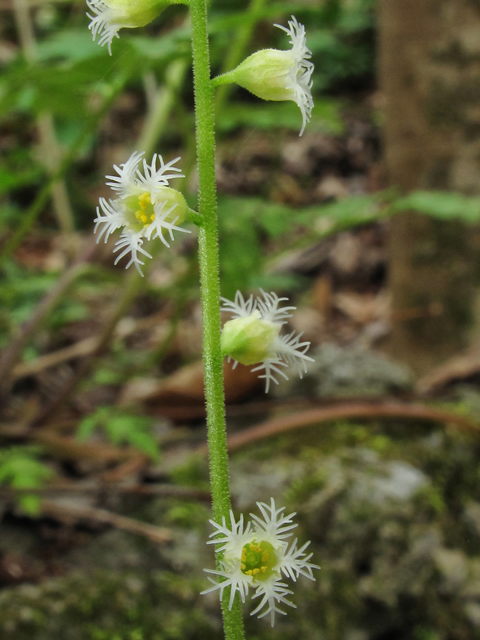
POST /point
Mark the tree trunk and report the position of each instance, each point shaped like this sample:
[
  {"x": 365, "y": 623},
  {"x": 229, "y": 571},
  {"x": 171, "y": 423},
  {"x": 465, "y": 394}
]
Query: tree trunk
[{"x": 430, "y": 80}]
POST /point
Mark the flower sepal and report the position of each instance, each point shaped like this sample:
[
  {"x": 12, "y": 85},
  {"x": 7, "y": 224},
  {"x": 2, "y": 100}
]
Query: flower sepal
[
  {"x": 247, "y": 339},
  {"x": 263, "y": 74}
]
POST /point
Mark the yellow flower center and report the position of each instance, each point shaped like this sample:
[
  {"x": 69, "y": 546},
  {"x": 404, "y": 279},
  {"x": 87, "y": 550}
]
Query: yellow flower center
[
  {"x": 258, "y": 560},
  {"x": 145, "y": 214}
]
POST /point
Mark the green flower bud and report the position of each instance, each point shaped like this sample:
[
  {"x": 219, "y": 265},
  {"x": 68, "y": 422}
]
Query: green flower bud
[
  {"x": 112, "y": 15},
  {"x": 253, "y": 336},
  {"x": 271, "y": 74},
  {"x": 248, "y": 340},
  {"x": 265, "y": 74}
]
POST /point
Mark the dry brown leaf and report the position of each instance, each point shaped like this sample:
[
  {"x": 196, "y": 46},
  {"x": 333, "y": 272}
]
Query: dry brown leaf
[
  {"x": 363, "y": 308},
  {"x": 181, "y": 395},
  {"x": 454, "y": 370}
]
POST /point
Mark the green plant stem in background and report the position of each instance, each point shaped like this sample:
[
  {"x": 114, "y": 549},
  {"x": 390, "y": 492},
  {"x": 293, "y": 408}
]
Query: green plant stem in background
[
  {"x": 164, "y": 100},
  {"x": 210, "y": 289},
  {"x": 236, "y": 52},
  {"x": 50, "y": 150},
  {"x": 36, "y": 208}
]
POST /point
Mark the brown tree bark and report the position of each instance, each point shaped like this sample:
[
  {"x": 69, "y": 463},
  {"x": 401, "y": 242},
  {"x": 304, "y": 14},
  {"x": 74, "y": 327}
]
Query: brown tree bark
[{"x": 430, "y": 80}]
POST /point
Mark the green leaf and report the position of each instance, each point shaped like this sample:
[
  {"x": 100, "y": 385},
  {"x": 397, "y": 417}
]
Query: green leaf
[
  {"x": 442, "y": 205},
  {"x": 70, "y": 44},
  {"x": 20, "y": 469},
  {"x": 121, "y": 428}
]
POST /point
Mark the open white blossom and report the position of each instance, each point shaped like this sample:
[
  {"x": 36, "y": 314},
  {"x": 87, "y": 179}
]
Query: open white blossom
[
  {"x": 145, "y": 207},
  {"x": 253, "y": 337},
  {"x": 255, "y": 557},
  {"x": 273, "y": 74}
]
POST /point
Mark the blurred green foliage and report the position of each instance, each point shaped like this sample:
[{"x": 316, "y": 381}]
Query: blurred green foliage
[
  {"x": 20, "y": 468},
  {"x": 121, "y": 427}
]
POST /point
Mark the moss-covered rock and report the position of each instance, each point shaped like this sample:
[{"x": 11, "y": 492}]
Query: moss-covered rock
[{"x": 393, "y": 516}]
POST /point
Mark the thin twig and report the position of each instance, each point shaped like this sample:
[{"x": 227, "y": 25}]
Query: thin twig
[
  {"x": 12, "y": 353},
  {"x": 34, "y": 367},
  {"x": 360, "y": 410},
  {"x": 50, "y": 149},
  {"x": 129, "y": 293},
  {"x": 76, "y": 512},
  {"x": 72, "y": 449},
  {"x": 163, "y": 490}
]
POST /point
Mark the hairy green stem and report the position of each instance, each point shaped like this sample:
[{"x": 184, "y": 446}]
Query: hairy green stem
[{"x": 210, "y": 288}]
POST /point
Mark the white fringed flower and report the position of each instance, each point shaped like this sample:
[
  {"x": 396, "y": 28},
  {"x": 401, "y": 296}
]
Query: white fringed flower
[
  {"x": 145, "y": 207},
  {"x": 255, "y": 557},
  {"x": 272, "y": 74},
  {"x": 253, "y": 336},
  {"x": 109, "y": 16},
  {"x": 300, "y": 69},
  {"x": 103, "y": 23}
]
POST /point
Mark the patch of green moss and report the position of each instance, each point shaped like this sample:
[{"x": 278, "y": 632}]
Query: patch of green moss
[{"x": 107, "y": 606}]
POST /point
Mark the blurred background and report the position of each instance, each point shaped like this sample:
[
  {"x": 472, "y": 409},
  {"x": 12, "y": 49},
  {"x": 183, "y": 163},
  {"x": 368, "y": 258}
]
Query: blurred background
[{"x": 368, "y": 223}]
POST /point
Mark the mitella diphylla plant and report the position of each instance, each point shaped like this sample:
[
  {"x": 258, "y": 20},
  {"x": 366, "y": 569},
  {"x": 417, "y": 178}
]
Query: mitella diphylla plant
[
  {"x": 256, "y": 556},
  {"x": 272, "y": 74},
  {"x": 144, "y": 207},
  {"x": 253, "y": 336}
]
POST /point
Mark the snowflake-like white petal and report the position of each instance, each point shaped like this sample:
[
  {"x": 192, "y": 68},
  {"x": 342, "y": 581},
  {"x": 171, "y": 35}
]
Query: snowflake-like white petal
[
  {"x": 293, "y": 352},
  {"x": 131, "y": 243},
  {"x": 232, "y": 577},
  {"x": 153, "y": 179},
  {"x": 300, "y": 74},
  {"x": 125, "y": 184},
  {"x": 272, "y": 592},
  {"x": 269, "y": 309},
  {"x": 103, "y": 23},
  {"x": 294, "y": 562},
  {"x": 271, "y": 366},
  {"x": 234, "y": 538},
  {"x": 240, "y": 308},
  {"x": 275, "y": 526},
  {"x": 111, "y": 217},
  {"x": 161, "y": 223}
]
